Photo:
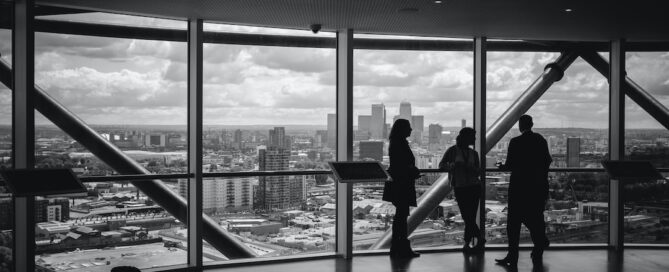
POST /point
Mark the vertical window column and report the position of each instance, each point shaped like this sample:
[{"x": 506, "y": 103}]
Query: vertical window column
[
  {"x": 616, "y": 140},
  {"x": 344, "y": 140},
  {"x": 23, "y": 130},
  {"x": 479, "y": 118},
  {"x": 195, "y": 71}
]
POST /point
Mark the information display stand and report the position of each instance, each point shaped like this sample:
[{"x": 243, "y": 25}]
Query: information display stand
[
  {"x": 354, "y": 172},
  {"x": 631, "y": 170},
  {"x": 42, "y": 182}
]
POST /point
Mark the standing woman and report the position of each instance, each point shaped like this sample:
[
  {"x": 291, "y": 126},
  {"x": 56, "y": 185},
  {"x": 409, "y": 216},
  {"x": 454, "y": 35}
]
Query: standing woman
[
  {"x": 404, "y": 172},
  {"x": 462, "y": 164}
]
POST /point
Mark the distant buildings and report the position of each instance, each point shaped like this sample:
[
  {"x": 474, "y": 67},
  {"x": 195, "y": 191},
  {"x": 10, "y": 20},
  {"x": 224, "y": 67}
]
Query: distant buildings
[
  {"x": 573, "y": 152},
  {"x": 371, "y": 150},
  {"x": 434, "y": 134},
  {"x": 224, "y": 194},
  {"x": 377, "y": 124},
  {"x": 46, "y": 210},
  {"x": 332, "y": 130}
]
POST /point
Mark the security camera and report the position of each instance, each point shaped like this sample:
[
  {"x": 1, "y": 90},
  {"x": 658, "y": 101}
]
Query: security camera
[{"x": 315, "y": 28}]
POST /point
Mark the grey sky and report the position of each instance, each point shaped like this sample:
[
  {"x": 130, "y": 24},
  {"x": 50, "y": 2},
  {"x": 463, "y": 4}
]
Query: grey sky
[{"x": 121, "y": 81}]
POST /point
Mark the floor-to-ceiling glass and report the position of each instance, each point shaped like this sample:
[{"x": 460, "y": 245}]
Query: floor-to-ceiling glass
[
  {"x": 572, "y": 115},
  {"x": 647, "y": 201},
  {"x": 269, "y": 107},
  {"x": 132, "y": 93},
  {"x": 431, "y": 89},
  {"x": 6, "y": 203}
]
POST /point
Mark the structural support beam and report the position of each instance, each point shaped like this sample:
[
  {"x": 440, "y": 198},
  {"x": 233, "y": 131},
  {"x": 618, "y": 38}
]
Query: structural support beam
[
  {"x": 644, "y": 99},
  {"x": 479, "y": 118},
  {"x": 23, "y": 127},
  {"x": 425, "y": 205},
  {"x": 195, "y": 72},
  {"x": 552, "y": 73},
  {"x": 438, "y": 191},
  {"x": 616, "y": 140},
  {"x": 123, "y": 164},
  {"x": 344, "y": 137}
]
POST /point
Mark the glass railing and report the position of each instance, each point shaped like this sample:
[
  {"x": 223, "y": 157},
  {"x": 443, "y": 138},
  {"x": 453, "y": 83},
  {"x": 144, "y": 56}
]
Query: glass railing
[
  {"x": 6, "y": 229},
  {"x": 113, "y": 224},
  {"x": 646, "y": 211},
  {"x": 575, "y": 213},
  {"x": 273, "y": 215}
]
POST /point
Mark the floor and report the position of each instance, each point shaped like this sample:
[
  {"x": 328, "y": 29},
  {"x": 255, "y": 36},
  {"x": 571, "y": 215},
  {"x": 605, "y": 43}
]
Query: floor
[{"x": 554, "y": 261}]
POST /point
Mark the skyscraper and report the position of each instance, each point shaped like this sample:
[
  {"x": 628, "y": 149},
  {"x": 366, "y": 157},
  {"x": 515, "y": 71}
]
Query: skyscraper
[
  {"x": 405, "y": 111},
  {"x": 463, "y": 123},
  {"x": 378, "y": 122},
  {"x": 573, "y": 152},
  {"x": 417, "y": 125},
  {"x": 371, "y": 150},
  {"x": 434, "y": 136},
  {"x": 277, "y": 138},
  {"x": 332, "y": 130},
  {"x": 273, "y": 192},
  {"x": 364, "y": 122}
]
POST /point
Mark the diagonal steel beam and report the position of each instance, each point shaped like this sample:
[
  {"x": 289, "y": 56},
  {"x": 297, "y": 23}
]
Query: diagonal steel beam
[
  {"x": 645, "y": 100},
  {"x": 438, "y": 191},
  {"x": 552, "y": 73},
  {"x": 116, "y": 159},
  {"x": 426, "y": 203}
]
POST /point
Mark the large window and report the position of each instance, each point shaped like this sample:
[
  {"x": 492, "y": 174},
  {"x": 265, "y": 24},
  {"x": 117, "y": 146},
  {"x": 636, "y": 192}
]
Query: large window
[
  {"x": 6, "y": 203},
  {"x": 433, "y": 90},
  {"x": 572, "y": 115},
  {"x": 269, "y": 108},
  {"x": 646, "y": 216},
  {"x": 133, "y": 94}
]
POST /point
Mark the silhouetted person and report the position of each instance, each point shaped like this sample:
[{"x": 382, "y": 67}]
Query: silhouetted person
[
  {"x": 528, "y": 160},
  {"x": 402, "y": 193},
  {"x": 462, "y": 164}
]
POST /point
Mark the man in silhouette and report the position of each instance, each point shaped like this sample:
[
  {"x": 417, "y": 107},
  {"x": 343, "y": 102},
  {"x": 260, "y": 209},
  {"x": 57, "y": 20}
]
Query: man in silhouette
[{"x": 528, "y": 160}]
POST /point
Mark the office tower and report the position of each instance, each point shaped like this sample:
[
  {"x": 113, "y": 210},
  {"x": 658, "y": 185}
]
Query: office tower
[
  {"x": 573, "y": 152},
  {"x": 224, "y": 194},
  {"x": 273, "y": 192},
  {"x": 434, "y": 136},
  {"x": 371, "y": 150},
  {"x": 378, "y": 122},
  {"x": 298, "y": 190},
  {"x": 332, "y": 130},
  {"x": 52, "y": 209},
  {"x": 464, "y": 123},
  {"x": 405, "y": 110},
  {"x": 364, "y": 122},
  {"x": 277, "y": 138},
  {"x": 321, "y": 138},
  {"x": 417, "y": 124}
]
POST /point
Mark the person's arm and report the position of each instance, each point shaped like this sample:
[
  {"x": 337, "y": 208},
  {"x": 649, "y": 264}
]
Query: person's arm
[
  {"x": 446, "y": 163},
  {"x": 510, "y": 157},
  {"x": 547, "y": 154}
]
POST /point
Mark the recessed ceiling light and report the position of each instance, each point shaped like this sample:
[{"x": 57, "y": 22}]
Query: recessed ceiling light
[
  {"x": 568, "y": 10},
  {"x": 407, "y": 10},
  {"x": 438, "y": 1}
]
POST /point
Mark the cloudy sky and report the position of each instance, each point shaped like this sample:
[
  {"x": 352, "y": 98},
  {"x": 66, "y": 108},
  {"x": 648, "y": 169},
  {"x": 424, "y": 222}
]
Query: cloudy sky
[{"x": 122, "y": 81}]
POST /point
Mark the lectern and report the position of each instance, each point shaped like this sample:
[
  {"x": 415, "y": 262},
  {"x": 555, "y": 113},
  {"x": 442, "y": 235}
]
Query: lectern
[
  {"x": 41, "y": 182},
  {"x": 354, "y": 172}
]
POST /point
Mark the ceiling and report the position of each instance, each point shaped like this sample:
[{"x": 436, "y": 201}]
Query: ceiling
[{"x": 589, "y": 20}]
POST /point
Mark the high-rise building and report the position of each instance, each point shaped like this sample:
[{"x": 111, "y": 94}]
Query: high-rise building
[
  {"x": 273, "y": 192},
  {"x": 417, "y": 124},
  {"x": 371, "y": 150},
  {"x": 238, "y": 136},
  {"x": 377, "y": 125},
  {"x": 277, "y": 138},
  {"x": 434, "y": 136},
  {"x": 573, "y": 152},
  {"x": 321, "y": 138},
  {"x": 405, "y": 110},
  {"x": 332, "y": 130},
  {"x": 52, "y": 209},
  {"x": 364, "y": 122},
  {"x": 463, "y": 122},
  {"x": 155, "y": 140},
  {"x": 224, "y": 194}
]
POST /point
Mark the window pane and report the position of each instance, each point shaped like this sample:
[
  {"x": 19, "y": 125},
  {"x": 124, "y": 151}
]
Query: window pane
[
  {"x": 434, "y": 91},
  {"x": 114, "y": 224},
  {"x": 646, "y": 219},
  {"x": 6, "y": 156},
  {"x": 572, "y": 115},
  {"x": 131, "y": 92},
  {"x": 267, "y": 108}
]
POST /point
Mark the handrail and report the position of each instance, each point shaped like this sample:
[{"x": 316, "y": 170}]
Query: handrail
[{"x": 86, "y": 179}]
